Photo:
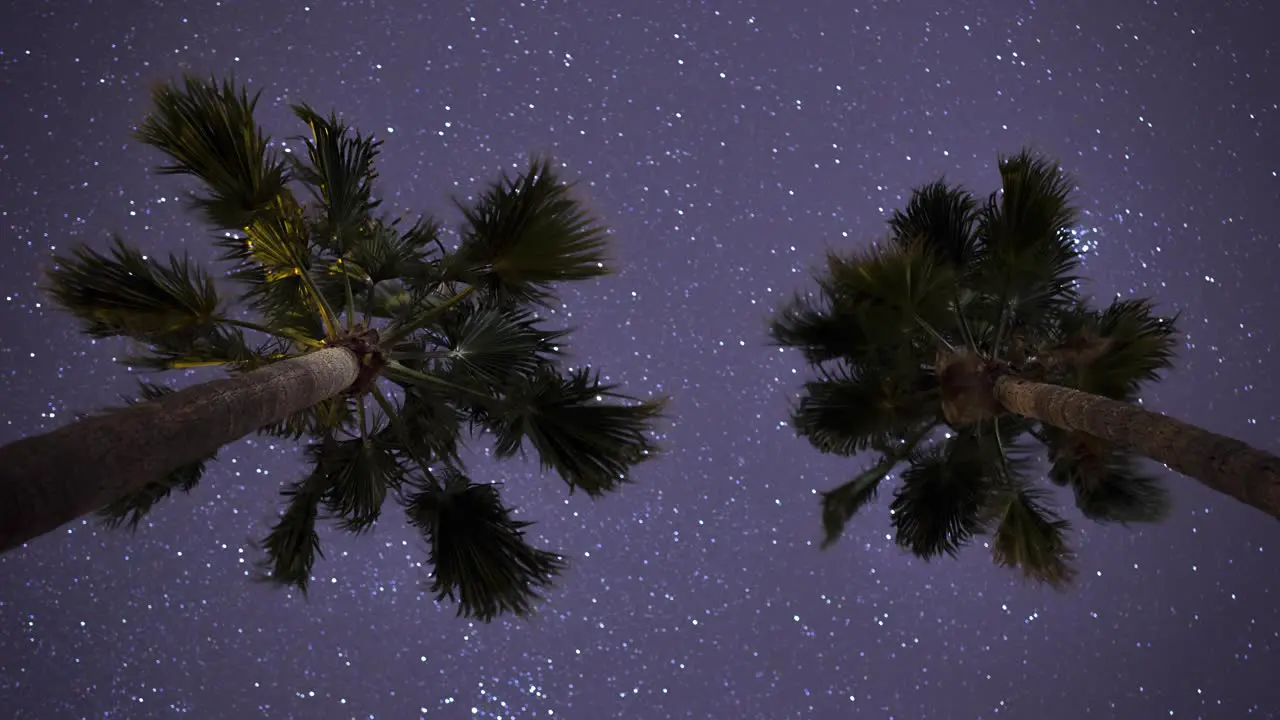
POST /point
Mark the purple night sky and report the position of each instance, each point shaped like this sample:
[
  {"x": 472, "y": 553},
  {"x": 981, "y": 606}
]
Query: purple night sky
[{"x": 728, "y": 144}]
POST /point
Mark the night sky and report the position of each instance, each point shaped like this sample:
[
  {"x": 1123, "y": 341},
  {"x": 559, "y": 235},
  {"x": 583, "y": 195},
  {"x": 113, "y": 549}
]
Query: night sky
[{"x": 728, "y": 144}]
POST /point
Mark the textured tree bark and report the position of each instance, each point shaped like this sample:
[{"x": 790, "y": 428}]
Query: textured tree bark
[
  {"x": 51, "y": 479},
  {"x": 1224, "y": 464}
]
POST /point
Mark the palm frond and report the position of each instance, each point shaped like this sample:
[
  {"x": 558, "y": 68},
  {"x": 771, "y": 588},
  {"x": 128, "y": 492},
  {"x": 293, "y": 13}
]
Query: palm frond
[
  {"x": 1131, "y": 346},
  {"x": 1107, "y": 482},
  {"x": 494, "y": 346},
  {"x": 821, "y": 329},
  {"x": 357, "y": 474},
  {"x": 433, "y": 425},
  {"x": 907, "y": 280},
  {"x": 208, "y": 131},
  {"x": 129, "y": 510},
  {"x": 941, "y": 218},
  {"x": 423, "y": 237},
  {"x": 939, "y": 505},
  {"x": 383, "y": 254},
  {"x": 1027, "y": 255},
  {"x": 125, "y": 293},
  {"x": 524, "y": 235},
  {"x": 1033, "y": 208},
  {"x": 339, "y": 173},
  {"x": 293, "y": 544},
  {"x": 591, "y": 443},
  {"x": 849, "y": 410},
  {"x": 480, "y": 557},
  {"x": 1032, "y": 538},
  {"x": 277, "y": 271},
  {"x": 841, "y": 504},
  {"x": 213, "y": 345}
]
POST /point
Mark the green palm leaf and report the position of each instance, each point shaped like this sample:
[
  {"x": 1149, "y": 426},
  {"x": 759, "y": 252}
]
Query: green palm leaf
[
  {"x": 940, "y": 503},
  {"x": 1106, "y": 481},
  {"x": 1030, "y": 537},
  {"x": 1126, "y": 344},
  {"x": 494, "y": 346},
  {"x": 941, "y": 218},
  {"x": 525, "y": 234},
  {"x": 848, "y": 410},
  {"x": 907, "y": 281},
  {"x": 479, "y": 553},
  {"x": 381, "y": 254},
  {"x": 1028, "y": 255},
  {"x": 293, "y": 544},
  {"x": 841, "y": 504},
  {"x": 591, "y": 443},
  {"x": 823, "y": 330},
  {"x": 339, "y": 173},
  {"x": 213, "y": 345},
  {"x": 125, "y": 293},
  {"x": 357, "y": 474},
  {"x": 277, "y": 269},
  {"x": 208, "y": 131},
  {"x": 433, "y": 425}
]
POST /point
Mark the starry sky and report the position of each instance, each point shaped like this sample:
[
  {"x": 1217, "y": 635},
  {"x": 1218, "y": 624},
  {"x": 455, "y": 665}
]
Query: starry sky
[{"x": 729, "y": 145}]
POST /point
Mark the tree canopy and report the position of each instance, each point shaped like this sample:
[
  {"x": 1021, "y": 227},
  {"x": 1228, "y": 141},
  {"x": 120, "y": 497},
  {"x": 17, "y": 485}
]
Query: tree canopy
[
  {"x": 453, "y": 341},
  {"x": 894, "y": 331}
]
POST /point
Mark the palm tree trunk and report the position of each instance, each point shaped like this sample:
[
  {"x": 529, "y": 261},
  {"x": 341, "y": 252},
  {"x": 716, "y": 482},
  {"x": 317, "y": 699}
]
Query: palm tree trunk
[
  {"x": 1224, "y": 464},
  {"x": 52, "y": 479}
]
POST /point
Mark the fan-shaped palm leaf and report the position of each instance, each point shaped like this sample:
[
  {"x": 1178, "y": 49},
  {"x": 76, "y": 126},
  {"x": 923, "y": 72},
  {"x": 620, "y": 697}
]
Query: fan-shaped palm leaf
[
  {"x": 860, "y": 331},
  {"x": 293, "y": 544},
  {"x": 906, "y": 280},
  {"x": 214, "y": 345},
  {"x": 940, "y": 504},
  {"x": 849, "y": 410},
  {"x": 493, "y": 346},
  {"x": 1031, "y": 537},
  {"x": 383, "y": 254},
  {"x": 941, "y": 218},
  {"x": 276, "y": 268},
  {"x": 431, "y": 423},
  {"x": 480, "y": 555},
  {"x": 1130, "y": 344},
  {"x": 1106, "y": 481},
  {"x": 591, "y": 443},
  {"x": 1028, "y": 255},
  {"x": 357, "y": 474},
  {"x": 522, "y": 235},
  {"x": 207, "y": 129},
  {"x": 841, "y": 504},
  {"x": 128, "y": 294},
  {"x": 339, "y": 173}
]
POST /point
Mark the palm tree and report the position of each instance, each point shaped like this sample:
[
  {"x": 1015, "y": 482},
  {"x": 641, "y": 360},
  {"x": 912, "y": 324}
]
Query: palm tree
[
  {"x": 963, "y": 341},
  {"x": 369, "y": 339}
]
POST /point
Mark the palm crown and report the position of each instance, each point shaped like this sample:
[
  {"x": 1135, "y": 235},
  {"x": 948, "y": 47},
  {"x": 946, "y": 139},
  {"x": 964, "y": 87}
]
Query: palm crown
[
  {"x": 450, "y": 340},
  {"x": 961, "y": 282}
]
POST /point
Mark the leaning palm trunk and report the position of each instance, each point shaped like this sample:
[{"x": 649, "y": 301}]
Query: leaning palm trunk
[
  {"x": 1224, "y": 464},
  {"x": 52, "y": 479}
]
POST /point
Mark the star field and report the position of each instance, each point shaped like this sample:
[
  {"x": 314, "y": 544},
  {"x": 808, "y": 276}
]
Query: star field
[{"x": 728, "y": 145}]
